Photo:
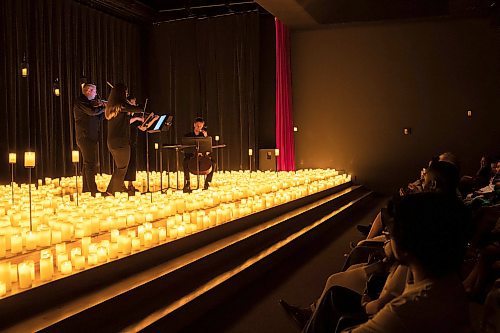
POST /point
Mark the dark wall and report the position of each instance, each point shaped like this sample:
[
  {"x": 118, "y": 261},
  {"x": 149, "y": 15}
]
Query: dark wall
[
  {"x": 65, "y": 40},
  {"x": 219, "y": 68},
  {"x": 357, "y": 86}
]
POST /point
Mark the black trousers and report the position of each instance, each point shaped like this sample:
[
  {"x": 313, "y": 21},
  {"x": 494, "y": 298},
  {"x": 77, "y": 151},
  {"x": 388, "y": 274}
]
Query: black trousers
[
  {"x": 185, "y": 166},
  {"x": 121, "y": 156},
  {"x": 132, "y": 164},
  {"x": 89, "y": 169},
  {"x": 338, "y": 302}
]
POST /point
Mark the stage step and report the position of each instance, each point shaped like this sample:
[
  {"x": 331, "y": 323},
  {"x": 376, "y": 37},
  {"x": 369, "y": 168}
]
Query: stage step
[{"x": 197, "y": 278}]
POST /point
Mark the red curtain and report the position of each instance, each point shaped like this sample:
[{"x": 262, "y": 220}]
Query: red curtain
[{"x": 284, "y": 116}]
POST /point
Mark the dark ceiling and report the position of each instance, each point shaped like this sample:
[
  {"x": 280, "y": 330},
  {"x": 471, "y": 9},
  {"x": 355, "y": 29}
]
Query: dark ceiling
[{"x": 297, "y": 14}]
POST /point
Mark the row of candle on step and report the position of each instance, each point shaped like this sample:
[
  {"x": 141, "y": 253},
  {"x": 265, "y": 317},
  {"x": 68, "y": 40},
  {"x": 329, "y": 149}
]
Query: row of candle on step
[{"x": 66, "y": 222}]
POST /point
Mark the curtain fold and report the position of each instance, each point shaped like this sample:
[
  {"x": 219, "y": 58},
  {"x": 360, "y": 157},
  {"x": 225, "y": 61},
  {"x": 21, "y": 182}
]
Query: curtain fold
[
  {"x": 65, "y": 40},
  {"x": 284, "y": 115},
  {"x": 209, "y": 68}
]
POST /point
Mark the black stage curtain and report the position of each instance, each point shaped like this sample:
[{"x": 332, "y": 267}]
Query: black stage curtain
[
  {"x": 209, "y": 68},
  {"x": 65, "y": 40}
]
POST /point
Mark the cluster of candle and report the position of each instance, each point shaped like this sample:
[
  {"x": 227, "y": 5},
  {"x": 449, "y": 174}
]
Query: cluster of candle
[{"x": 65, "y": 238}]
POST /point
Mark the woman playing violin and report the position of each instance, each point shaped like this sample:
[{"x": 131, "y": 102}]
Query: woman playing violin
[{"x": 117, "y": 113}]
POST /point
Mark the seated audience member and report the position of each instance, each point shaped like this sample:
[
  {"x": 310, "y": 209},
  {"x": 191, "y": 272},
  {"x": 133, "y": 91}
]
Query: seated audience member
[
  {"x": 483, "y": 176},
  {"x": 428, "y": 234},
  {"x": 441, "y": 176}
]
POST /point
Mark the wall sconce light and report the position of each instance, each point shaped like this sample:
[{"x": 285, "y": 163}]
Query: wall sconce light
[
  {"x": 407, "y": 131},
  {"x": 56, "y": 88},
  {"x": 24, "y": 67},
  {"x": 469, "y": 113},
  {"x": 295, "y": 129}
]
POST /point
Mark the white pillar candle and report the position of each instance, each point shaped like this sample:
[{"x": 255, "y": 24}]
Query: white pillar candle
[
  {"x": 24, "y": 275},
  {"x": 92, "y": 259},
  {"x": 13, "y": 273},
  {"x": 75, "y": 156},
  {"x": 85, "y": 245},
  {"x": 12, "y": 158},
  {"x": 43, "y": 235},
  {"x": 3, "y": 289},
  {"x": 102, "y": 254},
  {"x": 148, "y": 238},
  {"x": 173, "y": 232},
  {"x": 136, "y": 244},
  {"x": 16, "y": 244},
  {"x": 114, "y": 235},
  {"x": 60, "y": 258},
  {"x": 66, "y": 267},
  {"x": 156, "y": 237},
  {"x": 78, "y": 262},
  {"x": 3, "y": 246},
  {"x": 5, "y": 274},
  {"x": 181, "y": 231},
  {"x": 29, "y": 160},
  {"x": 113, "y": 250},
  {"x": 56, "y": 237},
  {"x": 31, "y": 240},
  {"x": 74, "y": 252},
  {"x": 125, "y": 245},
  {"x": 92, "y": 248},
  {"x": 46, "y": 268},
  {"x": 162, "y": 234},
  {"x": 60, "y": 248}
]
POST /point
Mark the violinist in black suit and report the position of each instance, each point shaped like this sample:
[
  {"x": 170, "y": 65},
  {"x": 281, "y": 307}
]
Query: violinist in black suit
[{"x": 88, "y": 111}]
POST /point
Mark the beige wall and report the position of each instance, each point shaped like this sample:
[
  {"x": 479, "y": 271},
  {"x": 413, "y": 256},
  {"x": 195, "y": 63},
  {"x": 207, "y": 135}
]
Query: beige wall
[{"x": 355, "y": 87}]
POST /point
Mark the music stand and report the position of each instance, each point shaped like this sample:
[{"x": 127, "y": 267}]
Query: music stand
[{"x": 201, "y": 145}]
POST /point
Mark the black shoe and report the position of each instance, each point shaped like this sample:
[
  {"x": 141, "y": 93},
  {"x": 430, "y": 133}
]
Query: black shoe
[
  {"x": 299, "y": 315},
  {"x": 364, "y": 229},
  {"x": 187, "y": 189},
  {"x": 205, "y": 187}
]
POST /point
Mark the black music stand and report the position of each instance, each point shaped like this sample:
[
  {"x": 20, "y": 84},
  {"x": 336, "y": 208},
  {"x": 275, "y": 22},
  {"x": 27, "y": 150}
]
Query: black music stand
[
  {"x": 161, "y": 124},
  {"x": 200, "y": 145}
]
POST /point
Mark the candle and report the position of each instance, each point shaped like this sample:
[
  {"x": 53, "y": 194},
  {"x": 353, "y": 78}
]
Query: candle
[
  {"x": 60, "y": 258},
  {"x": 16, "y": 244},
  {"x": 24, "y": 71},
  {"x": 46, "y": 268},
  {"x": 114, "y": 235},
  {"x": 250, "y": 152},
  {"x": 276, "y": 152},
  {"x": 66, "y": 267},
  {"x": 3, "y": 289},
  {"x": 85, "y": 245},
  {"x": 113, "y": 250},
  {"x": 124, "y": 244},
  {"x": 136, "y": 244},
  {"x": 56, "y": 237},
  {"x": 216, "y": 138},
  {"x": 43, "y": 235},
  {"x": 13, "y": 273},
  {"x": 61, "y": 248},
  {"x": 102, "y": 254},
  {"x": 3, "y": 246},
  {"x": 5, "y": 274},
  {"x": 162, "y": 234},
  {"x": 181, "y": 231},
  {"x": 156, "y": 146},
  {"x": 75, "y": 156},
  {"x": 74, "y": 252},
  {"x": 24, "y": 273},
  {"x": 12, "y": 158},
  {"x": 148, "y": 238},
  {"x": 29, "y": 159},
  {"x": 92, "y": 259},
  {"x": 31, "y": 240},
  {"x": 57, "y": 91},
  {"x": 79, "y": 261}
]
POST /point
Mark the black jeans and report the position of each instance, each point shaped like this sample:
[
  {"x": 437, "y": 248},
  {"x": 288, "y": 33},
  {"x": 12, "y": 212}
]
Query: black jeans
[
  {"x": 89, "y": 169},
  {"x": 121, "y": 156},
  {"x": 338, "y": 302}
]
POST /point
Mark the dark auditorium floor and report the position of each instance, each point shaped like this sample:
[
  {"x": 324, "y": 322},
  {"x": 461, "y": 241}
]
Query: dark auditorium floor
[{"x": 298, "y": 280}]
